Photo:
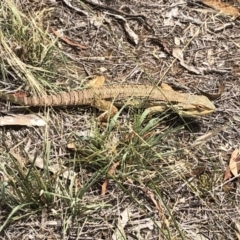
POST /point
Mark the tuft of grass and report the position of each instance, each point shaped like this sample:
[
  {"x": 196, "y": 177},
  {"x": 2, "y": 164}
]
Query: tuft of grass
[
  {"x": 137, "y": 147},
  {"x": 27, "y": 190},
  {"x": 28, "y": 52}
]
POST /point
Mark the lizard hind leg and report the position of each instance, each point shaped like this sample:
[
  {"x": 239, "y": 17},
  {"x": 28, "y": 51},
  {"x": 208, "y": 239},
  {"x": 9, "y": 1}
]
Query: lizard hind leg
[{"x": 109, "y": 109}]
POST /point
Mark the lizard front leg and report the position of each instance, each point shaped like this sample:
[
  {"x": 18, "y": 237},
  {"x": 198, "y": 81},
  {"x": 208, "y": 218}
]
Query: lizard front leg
[{"x": 154, "y": 109}]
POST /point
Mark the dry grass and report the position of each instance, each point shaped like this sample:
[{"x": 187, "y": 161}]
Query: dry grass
[{"x": 167, "y": 185}]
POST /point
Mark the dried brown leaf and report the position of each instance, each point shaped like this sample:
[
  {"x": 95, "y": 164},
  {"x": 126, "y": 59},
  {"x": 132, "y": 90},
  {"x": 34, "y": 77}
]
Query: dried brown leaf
[
  {"x": 234, "y": 164},
  {"x": 54, "y": 168},
  {"x": 178, "y": 53},
  {"x": 78, "y": 10},
  {"x": 22, "y": 120},
  {"x": 224, "y": 8},
  {"x": 156, "y": 203},
  {"x": 111, "y": 171},
  {"x": 66, "y": 40},
  {"x": 133, "y": 37},
  {"x": 202, "y": 139},
  {"x": 227, "y": 174}
]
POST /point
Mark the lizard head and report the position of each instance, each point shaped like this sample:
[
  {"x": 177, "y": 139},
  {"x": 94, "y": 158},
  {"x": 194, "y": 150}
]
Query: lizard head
[{"x": 195, "y": 106}]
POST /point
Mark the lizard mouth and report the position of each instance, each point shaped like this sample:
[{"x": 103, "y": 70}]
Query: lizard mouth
[{"x": 195, "y": 113}]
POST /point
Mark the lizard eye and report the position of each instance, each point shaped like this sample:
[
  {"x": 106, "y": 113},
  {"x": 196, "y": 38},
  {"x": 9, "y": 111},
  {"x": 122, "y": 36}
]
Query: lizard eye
[{"x": 200, "y": 108}]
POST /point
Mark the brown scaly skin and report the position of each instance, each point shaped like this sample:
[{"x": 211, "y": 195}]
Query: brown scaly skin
[{"x": 184, "y": 104}]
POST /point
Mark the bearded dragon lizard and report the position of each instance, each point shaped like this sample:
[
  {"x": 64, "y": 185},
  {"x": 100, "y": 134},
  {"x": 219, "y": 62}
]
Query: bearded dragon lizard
[{"x": 143, "y": 96}]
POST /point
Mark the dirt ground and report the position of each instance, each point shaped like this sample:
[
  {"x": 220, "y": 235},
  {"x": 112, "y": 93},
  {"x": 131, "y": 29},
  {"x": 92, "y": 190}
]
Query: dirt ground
[{"x": 135, "y": 42}]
